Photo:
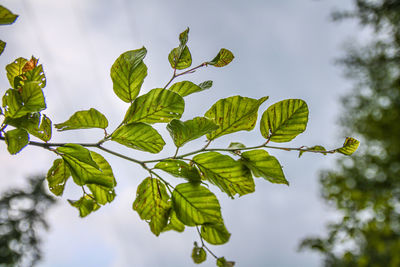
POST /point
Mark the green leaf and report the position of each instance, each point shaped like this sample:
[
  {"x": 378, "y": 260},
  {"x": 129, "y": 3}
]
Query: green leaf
[
  {"x": 236, "y": 145},
  {"x": 6, "y": 16},
  {"x": 206, "y": 85},
  {"x": 2, "y": 46},
  {"x": 31, "y": 99},
  {"x": 34, "y": 123},
  {"x": 349, "y": 147},
  {"x": 139, "y": 136},
  {"x": 174, "y": 223},
  {"x": 84, "y": 169},
  {"x": 14, "y": 69},
  {"x": 199, "y": 255},
  {"x": 185, "y": 88},
  {"x": 180, "y": 58},
  {"x": 234, "y": 114},
  {"x": 264, "y": 165},
  {"x": 16, "y": 140},
  {"x": 223, "y": 58},
  {"x": 231, "y": 176},
  {"x": 85, "y": 205},
  {"x": 183, "y": 132},
  {"x": 57, "y": 177},
  {"x": 314, "y": 148},
  {"x": 128, "y": 73},
  {"x": 284, "y": 120},
  {"x": 84, "y": 119},
  {"x": 183, "y": 37},
  {"x": 179, "y": 168},
  {"x": 101, "y": 193},
  {"x": 152, "y": 204},
  {"x": 215, "y": 234},
  {"x": 195, "y": 205},
  {"x": 158, "y": 105},
  {"x": 222, "y": 262},
  {"x": 35, "y": 75}
]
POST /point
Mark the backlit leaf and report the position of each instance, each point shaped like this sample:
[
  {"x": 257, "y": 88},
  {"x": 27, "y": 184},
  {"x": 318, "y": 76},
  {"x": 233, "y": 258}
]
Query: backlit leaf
[
  {"x": 264, "y": 165},
  {"x": 174, "y": 223},
  {"x": 314, "y": 148},
  {"x": 6, "y": 16},
  {"x": 184, "y": 37},
  {"x": 231, "y": 176},
  {"x": 139, "y": 136},
  {"x": 222, "y": 262},
  {"x": 128, "y": 73},
  {"x": 16, "y": 140},
  {"x": 284, "y": 120},
  {"x": 223, "y": 58},
  {"x": 179, "y": 168},
  {"x": 14, "y": 69},
  {"x": 199, "y": 255},
  {"x": 195, "y": 205},
  {"x": 85, "y": 205},
  {"x": 236, "y": 145},
  {"x": 158, "y": 105},
  {"x": 78, "y": 152},
  {"x": 84, "y": 119},
  {"x": 2, "y": 46},
  {"x": 152, "y": 204},
  {"x": 215, "y": 234},
  {"x": 349, "y": 147},
  {"x": 183, "y": 132},
  {"x": 185, "y": 88},
  {"x": 180, "y": 57},
  {"x": 35, "y": 74},
  {"x": 36, "y": 124},
  {"x": 57, "y": 177},
  {"x": 234, "y": 114},
  {"x": 206, "y": 85}
]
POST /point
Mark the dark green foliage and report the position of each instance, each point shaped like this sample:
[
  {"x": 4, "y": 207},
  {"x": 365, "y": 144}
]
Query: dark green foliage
[{"x": 21, "y": 216}]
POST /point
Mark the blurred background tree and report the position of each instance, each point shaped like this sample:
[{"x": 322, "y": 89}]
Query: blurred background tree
[
  {"x": 365, "y": 188},
  {"x": 21, "y": 217}
]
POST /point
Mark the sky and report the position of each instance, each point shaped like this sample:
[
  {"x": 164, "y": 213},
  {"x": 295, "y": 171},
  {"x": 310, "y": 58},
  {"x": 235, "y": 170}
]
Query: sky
[{"x": 283, "y": 49}]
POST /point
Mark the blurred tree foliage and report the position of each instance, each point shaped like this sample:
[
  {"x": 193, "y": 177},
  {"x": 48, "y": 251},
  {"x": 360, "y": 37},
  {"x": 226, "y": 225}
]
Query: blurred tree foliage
[
  {"x": 21, "y": 217},
  {"x": 366, "y": 187}
]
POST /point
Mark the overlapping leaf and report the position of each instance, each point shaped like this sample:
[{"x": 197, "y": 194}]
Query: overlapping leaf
[
  {"x": 264, "y": 165},
  {"x": 14, "y": 69},
  {"x": 174, "y": 223},
  {"x": 128, "y": 73},
  {"x": 284, "y": 120},
  {"x": 158, "y": 105},
  {"x": 349, "y": 147},
  {"x": 152, "y": 204},
  {"x": 16, "y": 140},
  {"x": 6, "y": 16},
  {"x": 223, "y": 58},
  {"x": 85, "y": 205},
  {"x": 84, "y": 119},
  {"x": 139, "y": 136},
  {"x": 231, "y": 176},
  {"x": 180, "y": 57},
  {"x": 57, "y": 177},
  {"x": 195, "y": 205},
  {"x": 179, "y": 168},
  {"x": 183, "y": 132},
  {"x": 185, "y": 88},
  {"x": 36, "y": 124},
  {"x": 36, "y": 74},
  {"x": 234, "y": 114},
  {"x": 215, "y": 234}
]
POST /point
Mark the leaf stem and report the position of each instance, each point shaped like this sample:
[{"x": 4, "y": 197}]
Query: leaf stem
[{"x": 174, "y": 75}]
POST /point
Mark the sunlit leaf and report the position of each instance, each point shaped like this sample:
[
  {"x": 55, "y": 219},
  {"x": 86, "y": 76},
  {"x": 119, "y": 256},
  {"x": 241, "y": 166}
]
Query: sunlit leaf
[
  {"x": 174, "y": 223},
  {"x": 222, "y": 262},
  {"x": 139, "y": 136},
  {"x": 199, "y": 255},
  {"x": 36, "y": 124},
  {"x": 2, "y": 46},
  {"x": 128, "y": 73},
  {"x": 180, "y": 57},
  {"x": 78, "y": 152},
  {"x": 102, "y": 194},
  {"x": 84, "y": 119},
  {"x": 6, "y": 16},
  {"x": 195, "y": 205},
  {"x": 184, "y": 36},
  {"x": 349, "y": 147},
  {"x": 85, "y": 205},
  {"x": 16, "y": 140},
  {"x": 179, "y": 168},
  {"x": 35, "y": 75},
  {"x": 158, "y": 105},
  {"x": 223, "y": 58},
  {"x": 152, "y": 204},
  {"x": 215, "y": 234},
  {"x": 185, "y": 131},
  {"x": 314, "y": 148},
  {"x": 14, "y": 69},
  {"x": 57, "y": 177},
  {"x": 264, "y": 165},
  {"x": 284, "y": 120},
  {"x": 185, "y": 88},
  {"x": 234, "y": 114},
  {"x": 236, "y": 145},
  {"x": 231, "y": 176}
]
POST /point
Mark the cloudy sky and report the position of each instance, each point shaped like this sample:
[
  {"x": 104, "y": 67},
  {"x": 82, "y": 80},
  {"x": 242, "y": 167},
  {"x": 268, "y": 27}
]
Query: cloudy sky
[{"x": 283, "y": 49}]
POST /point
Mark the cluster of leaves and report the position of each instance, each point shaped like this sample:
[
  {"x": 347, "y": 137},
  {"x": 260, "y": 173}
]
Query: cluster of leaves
[
  {"x": 6, "y": 18},
  {"x": 163, "y": 206}
]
